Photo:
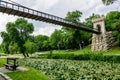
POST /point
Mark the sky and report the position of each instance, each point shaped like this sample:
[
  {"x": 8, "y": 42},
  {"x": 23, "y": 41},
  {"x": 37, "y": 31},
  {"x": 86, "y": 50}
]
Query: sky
[{"x": 58, "y": 8}]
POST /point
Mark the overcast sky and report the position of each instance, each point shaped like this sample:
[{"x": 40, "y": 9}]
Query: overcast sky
[{"x": 58, "y": 8}]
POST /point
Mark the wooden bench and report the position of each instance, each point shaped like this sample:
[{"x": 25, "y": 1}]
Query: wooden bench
[{"x": 11, "y": 64}]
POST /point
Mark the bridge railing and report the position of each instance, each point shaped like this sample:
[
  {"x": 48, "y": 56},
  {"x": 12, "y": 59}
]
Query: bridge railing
[
  {"x": 38, "y": 15},
  {"x": 31, "y": 11}
]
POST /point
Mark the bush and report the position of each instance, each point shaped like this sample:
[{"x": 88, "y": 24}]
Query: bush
[
  {"x": 86, "y": 56},
  {"x": 112, "y": 58},
  {"x": 82, "y": 57},
  {"x": 97, "y": 57}
]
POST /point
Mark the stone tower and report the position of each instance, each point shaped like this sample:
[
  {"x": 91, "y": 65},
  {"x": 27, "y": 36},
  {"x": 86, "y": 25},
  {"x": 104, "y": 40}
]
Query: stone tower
[{"x": 103, "y": 41}]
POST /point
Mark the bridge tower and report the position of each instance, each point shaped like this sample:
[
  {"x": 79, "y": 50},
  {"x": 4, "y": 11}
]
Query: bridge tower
[{"x": 103, "y": 41}]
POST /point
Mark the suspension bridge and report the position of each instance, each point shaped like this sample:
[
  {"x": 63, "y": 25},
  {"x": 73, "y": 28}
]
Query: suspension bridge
[{"x": 13, "y": 8}]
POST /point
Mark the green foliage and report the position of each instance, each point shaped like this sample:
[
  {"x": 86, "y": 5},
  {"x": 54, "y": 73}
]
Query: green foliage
[
  {"x": 74, "y": 16},
  {"x": 17, "y": 34},
  {"x": 113, "y": 24},
  {"x": 5, "y": 43},
  {"x": 88, "y": 21},
  {"x": 4, "y": 47},
  {"x": 42, "y": 42},
  {"x": 108, "y": 2},
  {"x": 72, "y": 37},
  {"x": 112, "y": 20},
  {"x": 13, "y": 48},
  {"x": 87, "y": 37},
  {"x": 74, "y": 70},
  {"x": 56, "y": 39},
  {"x": 95, "y": 56},
  {"x": 31, "y": 74},
  {"x": 2, "y": 61},
  {"x": 30, "y": 47}
]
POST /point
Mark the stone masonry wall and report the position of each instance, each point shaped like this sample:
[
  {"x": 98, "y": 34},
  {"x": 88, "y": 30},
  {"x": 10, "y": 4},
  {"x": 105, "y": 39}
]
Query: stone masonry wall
[{"x": 102, "y": 42}]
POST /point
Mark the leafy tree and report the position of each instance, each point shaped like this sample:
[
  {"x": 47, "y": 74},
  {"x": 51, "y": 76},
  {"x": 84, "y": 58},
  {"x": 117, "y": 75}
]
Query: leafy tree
[
  {"x": 17, "y": 34},
  {"x": 56, "y": 39},
  {"x": 88, "y": 21},
  {"x": 42, "y": 41},
  {"x": 73, "y": 39},
  {"x": 13, "y": 48},
  {"x": 112, "y": 19},
  {"x": 113, "y": 24},
  {"x": 30, "y": 47},
  {"x": 5, "y": 42},
  {"x": 87, "y": 37}
]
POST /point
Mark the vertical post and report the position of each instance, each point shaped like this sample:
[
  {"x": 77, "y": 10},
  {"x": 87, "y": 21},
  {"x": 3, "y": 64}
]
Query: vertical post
[
  {"x": 18, "y": 8},
  {"x": 14, "y": 61},
  {"x": 0, "y": 2},
  {"x": 7, "y": 61},
  {"x": 6, "y": 5},
  {"x": 33, "y": 11}
]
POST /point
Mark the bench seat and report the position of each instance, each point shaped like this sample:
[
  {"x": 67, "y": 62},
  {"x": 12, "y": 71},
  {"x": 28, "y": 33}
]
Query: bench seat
[{"x": 11, "y": 67}]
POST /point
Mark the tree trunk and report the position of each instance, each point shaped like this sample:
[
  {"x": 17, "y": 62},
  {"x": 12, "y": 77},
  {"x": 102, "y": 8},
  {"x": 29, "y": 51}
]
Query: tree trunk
[
  {"x": 27, "y": 54},
  {"x": 24, "y": 55},
  {"x": 80, "y": 46},
  {"x": 58, "y": 48}
]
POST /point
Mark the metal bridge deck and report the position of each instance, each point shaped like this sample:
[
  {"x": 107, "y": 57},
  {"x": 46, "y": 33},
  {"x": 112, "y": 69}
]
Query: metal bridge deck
[{"x": 18, "y": 10}]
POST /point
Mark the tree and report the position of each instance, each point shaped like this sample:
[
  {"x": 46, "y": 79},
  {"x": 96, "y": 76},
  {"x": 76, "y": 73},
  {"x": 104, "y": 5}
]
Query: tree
[
  {"x": 17, "y": 34},
  {"x": 30, "y": 47},
  {"x": 56, "y": 39},
  {"x": 108, "y": 2},
  {"x": 73, "y": 39},
  {"x": 5, "y": 42},
  {"x": 13, "y": 48},
  {"x": 87, "y": 37},
  {"x": 112, "y": 19},
  {"x": 42, "y": 41},
  {"x": 113, "y": 24},
  {"x": 88, "y": 21}
]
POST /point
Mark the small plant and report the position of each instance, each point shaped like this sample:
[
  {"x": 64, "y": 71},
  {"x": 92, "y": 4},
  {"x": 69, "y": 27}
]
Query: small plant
[{"x": 74, "y": 70}]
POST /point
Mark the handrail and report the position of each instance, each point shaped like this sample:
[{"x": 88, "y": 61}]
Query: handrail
[{"x": 12, "y": 6}]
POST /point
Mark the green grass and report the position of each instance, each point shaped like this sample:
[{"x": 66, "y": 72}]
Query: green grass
[
  {"x": 87, "y": 49},
  {"x": 2, "y": 61},
  {"x": 31, "y": 74},
  {"x": 113, "y": 50}
]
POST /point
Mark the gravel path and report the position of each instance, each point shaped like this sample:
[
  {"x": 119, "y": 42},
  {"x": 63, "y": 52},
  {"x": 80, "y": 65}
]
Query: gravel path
[{"x": 4, "y": 70}]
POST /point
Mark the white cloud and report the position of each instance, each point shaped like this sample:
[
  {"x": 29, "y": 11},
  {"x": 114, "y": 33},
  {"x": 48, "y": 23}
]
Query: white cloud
[
  {"x": 58, "y": 8},
  {"x": 46, "y": 30},
  {"x": 3, "y": 21},
  {"x": 41, "y": 5}
]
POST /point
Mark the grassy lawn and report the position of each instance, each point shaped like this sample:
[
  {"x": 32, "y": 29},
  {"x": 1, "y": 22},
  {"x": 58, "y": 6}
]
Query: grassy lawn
[
  {"x": 87, "y": 49},
  {"x": 2, "y": 61},
  {"x": 114, "y": 50},
  {"x": 32, "y": 74}
]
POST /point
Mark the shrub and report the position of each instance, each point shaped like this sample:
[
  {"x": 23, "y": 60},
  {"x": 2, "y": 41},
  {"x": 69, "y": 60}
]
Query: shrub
[{"x": 86, "y": 56}]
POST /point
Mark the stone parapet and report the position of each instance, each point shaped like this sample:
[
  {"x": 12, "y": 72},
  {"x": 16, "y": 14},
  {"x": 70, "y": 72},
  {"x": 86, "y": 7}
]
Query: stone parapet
[
  {"x": 99, "y": 19},
  {"x": 4, "y": 77}
]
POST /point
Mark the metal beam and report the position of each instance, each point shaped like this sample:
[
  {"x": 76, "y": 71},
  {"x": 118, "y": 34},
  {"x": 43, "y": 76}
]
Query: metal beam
[{"x": 30, "y": 13}]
